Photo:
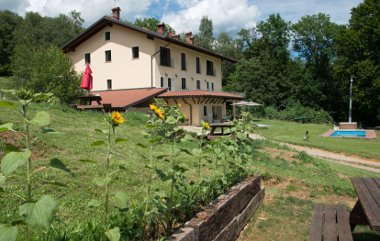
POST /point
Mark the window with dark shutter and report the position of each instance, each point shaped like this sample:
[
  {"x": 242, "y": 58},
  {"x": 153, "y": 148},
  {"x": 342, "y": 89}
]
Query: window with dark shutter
[
  {"x": 183, "y": 61},
  {"x": 208, "y": 85},
  {"x": 183, "y": 83},
  {"x": 212, "y": 86},
  {"x": 135, "y": 52},
  {"x": 169, "y": 84},
  {"x": 198, "y": 65},
  {"x": 165, "y": 56},
  {"x": 87, "y": 58},
  {"x": 162, "y": 82},
  {"x": 204, "y": 110},
  {"x": 109, "y": 84},
  {"x": 210, "y": 67},
  {"x": 107, "y": 36},
  {"x": 108, "y": 55},
  {"x": 198, "y": 84}
]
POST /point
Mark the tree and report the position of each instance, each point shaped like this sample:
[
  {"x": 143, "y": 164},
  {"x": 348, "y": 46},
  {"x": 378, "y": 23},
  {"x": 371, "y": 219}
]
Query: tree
[
  {"x": 314, "y": 41},
  {"x": 43, "y": 69},
  {"x": 205, "y": 37},
  {"x": 359, "y": 56},
  {"x": 9, "y": 21},
  {"x": 227, "y": 46},
  {"x": 151, "y": 24},
  {"x": 264, "y": 75},
  {"x": 36, "y": 30}
]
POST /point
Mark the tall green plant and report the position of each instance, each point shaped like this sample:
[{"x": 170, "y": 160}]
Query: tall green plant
[
  {"x": 113, "y": 120},
  {"x": 35, "y": 215}
]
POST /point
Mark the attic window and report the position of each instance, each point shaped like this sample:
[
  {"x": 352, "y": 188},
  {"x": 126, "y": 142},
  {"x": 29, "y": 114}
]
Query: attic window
[
  {"x": 135, "y": 52},
  {"x": 87, "y": 58},
  {"x": 107, "y": 36}
]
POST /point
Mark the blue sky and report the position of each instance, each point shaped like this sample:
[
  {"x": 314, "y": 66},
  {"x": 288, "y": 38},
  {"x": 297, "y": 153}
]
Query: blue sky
[{"x": 184, "y": 15}]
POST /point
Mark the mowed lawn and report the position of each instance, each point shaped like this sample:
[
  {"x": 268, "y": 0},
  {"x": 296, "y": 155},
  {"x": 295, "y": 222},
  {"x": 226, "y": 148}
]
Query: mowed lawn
[
  {"x": 293, "y": 132},
  {"x": 294, "y": 182}
]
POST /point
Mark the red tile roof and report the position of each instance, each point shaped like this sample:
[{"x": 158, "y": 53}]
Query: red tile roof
[
  {"x": 108, "y": 21},
  {"x": 200, "y": 93},
  {"x": 128, "y": 97}
]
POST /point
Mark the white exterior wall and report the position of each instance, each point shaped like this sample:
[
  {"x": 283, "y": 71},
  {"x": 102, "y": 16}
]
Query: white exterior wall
[
  {"x": 176, "y": 74},
  {"x": 124, "y": 71},
  {"x": 127, "y": 73}
]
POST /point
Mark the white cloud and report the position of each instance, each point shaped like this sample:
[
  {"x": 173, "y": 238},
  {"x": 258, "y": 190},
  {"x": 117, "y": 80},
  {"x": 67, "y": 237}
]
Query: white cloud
[
  {"x": 339, "y": 10},
  {"x": 227, "y": 16}
]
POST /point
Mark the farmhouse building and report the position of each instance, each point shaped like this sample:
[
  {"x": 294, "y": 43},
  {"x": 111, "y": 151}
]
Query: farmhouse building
[{"x": 132, "y": 65}]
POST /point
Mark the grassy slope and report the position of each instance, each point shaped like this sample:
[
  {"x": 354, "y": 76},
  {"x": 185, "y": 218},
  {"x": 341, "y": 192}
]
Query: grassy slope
[
  {"x": 294, "y": 182},
  {"x": 72, "y": 145},
  {"x": 293, "y": 132}
]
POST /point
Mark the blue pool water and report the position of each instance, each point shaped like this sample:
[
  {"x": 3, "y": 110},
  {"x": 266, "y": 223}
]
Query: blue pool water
[{"x": 349, "y": 133}]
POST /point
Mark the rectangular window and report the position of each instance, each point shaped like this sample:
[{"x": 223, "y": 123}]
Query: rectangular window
[
  {"x": 135, "y": 52},
  {"x": 165, "y": 56},
  {"x": 208, "y": 85},
  {"x": 183, "y": 61},
  {"x": 107, "y": 36},
  {"x": 212, "y": 86},
  {"x": 210, "y": 67},
  {"x": 108, "y": 55},
  {"x": 87, "y": 58},
  {"x": 197, "y": 65},
  {"x": 198, "y": 84},
  {"x": 169, "y": 84},
  {"x": 205, "y": 110},
  {"x": 109, "y": 84},
  {"x": 183, "y": 83},
  {"x": 162, "y": 82}
]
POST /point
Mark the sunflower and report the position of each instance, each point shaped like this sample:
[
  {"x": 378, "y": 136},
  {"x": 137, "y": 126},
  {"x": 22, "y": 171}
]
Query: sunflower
[{"x": 116, "y": 118}]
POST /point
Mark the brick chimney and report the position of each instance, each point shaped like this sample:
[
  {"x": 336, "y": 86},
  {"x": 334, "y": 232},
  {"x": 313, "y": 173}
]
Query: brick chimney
[
  {"x": 161, "y": 28},
  {"x": 189, "y": 38},
  {"x": 116, "y": 13},
  {"x": 177, "y": 37}
]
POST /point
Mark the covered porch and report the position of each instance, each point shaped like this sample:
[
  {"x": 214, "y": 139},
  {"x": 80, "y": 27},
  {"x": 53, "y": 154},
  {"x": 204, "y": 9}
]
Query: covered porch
[{"x": 200, "y": 105}]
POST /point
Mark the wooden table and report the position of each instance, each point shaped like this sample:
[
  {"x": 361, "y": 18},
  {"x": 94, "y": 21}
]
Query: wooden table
[
  {"x": 367, "y": 209},
  {"x": 87, "y": 100},
  {"x": 213, "y": 134}
]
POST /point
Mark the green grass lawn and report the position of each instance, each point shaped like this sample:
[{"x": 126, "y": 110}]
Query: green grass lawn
[
  {"x": 293, "y": 132},
  {"x": 294, "y": 181}
]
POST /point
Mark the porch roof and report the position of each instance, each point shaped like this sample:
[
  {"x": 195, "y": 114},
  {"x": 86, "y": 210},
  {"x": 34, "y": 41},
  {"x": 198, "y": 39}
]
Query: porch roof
[
  {"x": 128, "y": 97},
  {"x": 200, "y": 93}
]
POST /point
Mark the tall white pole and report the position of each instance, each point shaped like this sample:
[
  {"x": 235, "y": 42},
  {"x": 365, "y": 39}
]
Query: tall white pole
[{"x": 350, "y": 107}]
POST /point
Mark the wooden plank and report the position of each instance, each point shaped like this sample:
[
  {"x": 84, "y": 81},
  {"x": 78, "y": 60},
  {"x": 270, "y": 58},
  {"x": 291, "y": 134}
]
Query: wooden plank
[
  {"x": 368, "y": 202},
  {"x": 374, "y": 201},
  {"x": 344, "y": 230},
  {"x": 329, "y": 226},
  {"x": 316, "y": 224}
]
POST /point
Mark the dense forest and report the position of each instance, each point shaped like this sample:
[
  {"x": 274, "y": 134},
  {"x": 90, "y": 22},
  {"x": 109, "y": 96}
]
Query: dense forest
[{"x": 280, "y": 64}]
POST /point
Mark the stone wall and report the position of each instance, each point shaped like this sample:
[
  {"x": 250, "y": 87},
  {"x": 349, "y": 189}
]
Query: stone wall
[{"x": 226, "y": 216}]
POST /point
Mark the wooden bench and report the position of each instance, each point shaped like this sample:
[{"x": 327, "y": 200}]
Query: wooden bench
[{"x": 330, "y": 222}]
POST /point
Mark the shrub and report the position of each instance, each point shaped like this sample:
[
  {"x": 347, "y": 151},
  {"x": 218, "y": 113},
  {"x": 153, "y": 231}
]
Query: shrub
[
  {"x": 45, "y": 70},
  {"x": 292, "y": 112}
]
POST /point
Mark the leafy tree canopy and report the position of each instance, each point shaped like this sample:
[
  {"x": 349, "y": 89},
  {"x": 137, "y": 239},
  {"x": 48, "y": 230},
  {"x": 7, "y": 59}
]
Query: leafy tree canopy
[{"x": 42, "y": 69}]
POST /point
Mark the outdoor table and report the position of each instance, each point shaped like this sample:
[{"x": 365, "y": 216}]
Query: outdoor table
[
  {"x": 367, "y": 209},
  {"x": 222, "y": 126},
  {"x": 87, "y": 100}
]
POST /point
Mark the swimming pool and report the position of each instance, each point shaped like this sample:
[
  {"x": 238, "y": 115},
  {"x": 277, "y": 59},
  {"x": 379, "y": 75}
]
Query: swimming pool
[
  {"x": 360, "y": 134},
  {"x": 349, "y": 133}
]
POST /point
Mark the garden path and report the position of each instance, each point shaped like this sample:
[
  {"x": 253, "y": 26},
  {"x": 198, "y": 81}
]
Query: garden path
[{"x": 349, "y": 160}]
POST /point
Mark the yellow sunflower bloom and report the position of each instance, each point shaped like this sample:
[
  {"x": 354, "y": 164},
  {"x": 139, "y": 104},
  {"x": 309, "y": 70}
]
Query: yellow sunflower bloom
[
  {"x": 153, "y": 107},
  {"x": 159, "y": 113},
  {"x": 206, "y": 125},
  {"x": 117, "y": 118}
]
